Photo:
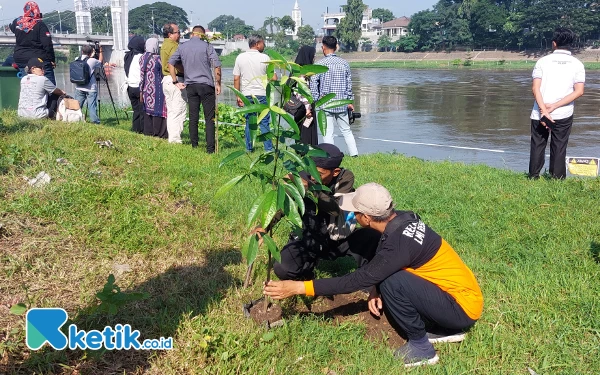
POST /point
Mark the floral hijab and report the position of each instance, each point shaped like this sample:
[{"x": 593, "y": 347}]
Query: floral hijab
[{"x": 31, "y": 16}]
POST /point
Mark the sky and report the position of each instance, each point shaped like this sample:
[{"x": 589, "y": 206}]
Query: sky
[{"x": 253, "y": 12}]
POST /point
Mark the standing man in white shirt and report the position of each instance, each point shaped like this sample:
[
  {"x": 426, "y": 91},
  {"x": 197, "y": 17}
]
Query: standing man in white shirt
[
  {"x": 558, "y": 80},
  {"x": 89, "y": 92},
  {"x": 250, "y": 67}
]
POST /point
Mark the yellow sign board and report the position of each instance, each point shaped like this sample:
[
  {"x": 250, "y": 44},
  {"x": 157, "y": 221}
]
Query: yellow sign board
[{"x": 583, "y": 166}]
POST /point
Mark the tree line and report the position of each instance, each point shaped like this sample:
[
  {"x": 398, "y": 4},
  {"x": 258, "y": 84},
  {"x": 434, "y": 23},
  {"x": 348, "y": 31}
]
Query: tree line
[{"x": 500, "y": 24}]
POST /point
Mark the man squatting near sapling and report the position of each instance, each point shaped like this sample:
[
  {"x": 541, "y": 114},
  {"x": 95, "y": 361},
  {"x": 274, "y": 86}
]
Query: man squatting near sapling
[{"x": 415, "y": 276}]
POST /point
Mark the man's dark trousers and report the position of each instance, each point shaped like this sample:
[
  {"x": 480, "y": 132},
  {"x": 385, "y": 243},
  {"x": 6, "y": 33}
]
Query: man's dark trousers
[
  {"x": 200, "y": 93},
  {"x": 560, "y": 131},
  {"x": 414, "y": 306}
]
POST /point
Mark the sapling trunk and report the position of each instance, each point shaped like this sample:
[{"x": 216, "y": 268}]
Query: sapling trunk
[
  {"x": 248, "y": 275},
  {"x": 269, "y": 266}
]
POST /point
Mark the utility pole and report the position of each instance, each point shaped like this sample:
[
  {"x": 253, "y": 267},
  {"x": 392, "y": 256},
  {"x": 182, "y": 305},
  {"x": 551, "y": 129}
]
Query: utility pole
[
  {"x": 191, "y": 18},
  {"x": 153, "y": 27}
]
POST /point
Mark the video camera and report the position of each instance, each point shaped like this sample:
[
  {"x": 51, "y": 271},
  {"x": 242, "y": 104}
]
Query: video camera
[
  {"x": 96, "y": 45},
  {"x": 352, "y": 116}
]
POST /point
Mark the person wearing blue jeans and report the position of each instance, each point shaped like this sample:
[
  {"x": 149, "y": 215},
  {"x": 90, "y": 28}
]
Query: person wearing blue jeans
[
  {"x": 249, "y": 66},
  {"x": 263, "y": 126},
  {"x": 91, "y": 97},
  {"x": 89, "y": 92}
]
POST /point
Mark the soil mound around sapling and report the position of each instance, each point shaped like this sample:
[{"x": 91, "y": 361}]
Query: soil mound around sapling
[
  {"x": 353, "y": 307},
  {"x": 272, "y": 315}
]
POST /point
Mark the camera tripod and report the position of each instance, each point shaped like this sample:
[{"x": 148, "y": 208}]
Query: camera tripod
[{"x": 100, "y": 75}]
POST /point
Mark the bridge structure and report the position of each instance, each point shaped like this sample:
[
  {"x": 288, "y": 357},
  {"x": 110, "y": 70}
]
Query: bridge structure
[{"x": 115, "y": 45}]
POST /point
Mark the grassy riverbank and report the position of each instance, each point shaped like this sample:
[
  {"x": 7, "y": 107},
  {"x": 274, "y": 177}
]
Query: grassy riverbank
[{"x": 144, "y": 211}]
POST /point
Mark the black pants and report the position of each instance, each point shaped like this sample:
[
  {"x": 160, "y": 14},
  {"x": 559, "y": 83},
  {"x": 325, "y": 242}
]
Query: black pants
[
  {"x": 155, "y": 126},
  {"x": 299, "y": 257},
  {"x": 137, "y": 124},
  {"x": 199, "y": 93},
  {"x": 412, "y": 303},
  {"x": 560, "y": 131},
  {"x": 52, "y": 105}
]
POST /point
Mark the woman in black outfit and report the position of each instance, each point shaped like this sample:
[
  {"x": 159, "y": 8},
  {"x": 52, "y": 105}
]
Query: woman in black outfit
[
  {"x": 137, "y": 47},
  {"x": 33, "y": 40},
  {"x": 308, "y": 135}
]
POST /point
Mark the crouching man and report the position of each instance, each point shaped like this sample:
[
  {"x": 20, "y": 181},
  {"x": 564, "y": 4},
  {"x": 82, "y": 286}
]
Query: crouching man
[
  {"x": 327, "y": 231},
  {"x": 415, "y": 277},
  {"x": 38, "y": 97}
]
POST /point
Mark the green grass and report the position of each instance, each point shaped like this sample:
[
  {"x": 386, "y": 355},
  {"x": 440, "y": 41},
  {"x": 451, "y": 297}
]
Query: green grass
[
  {"x": 533, "y": 245},
  {"x": 455, "y": 64}
]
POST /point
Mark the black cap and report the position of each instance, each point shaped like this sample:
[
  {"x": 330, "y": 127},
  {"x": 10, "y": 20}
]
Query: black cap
[
  {"x": 332, "y": 160},
  {"x": 35, "y": 62}
]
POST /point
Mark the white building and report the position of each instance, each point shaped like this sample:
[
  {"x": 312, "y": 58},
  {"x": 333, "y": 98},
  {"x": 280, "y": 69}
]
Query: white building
[
  {"x": 297, "y": 17},
  {"x": 368, "y": 24}
]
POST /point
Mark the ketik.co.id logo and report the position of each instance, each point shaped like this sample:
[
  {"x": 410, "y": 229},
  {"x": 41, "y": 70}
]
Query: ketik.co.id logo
[{"x": 44, "y": 324}]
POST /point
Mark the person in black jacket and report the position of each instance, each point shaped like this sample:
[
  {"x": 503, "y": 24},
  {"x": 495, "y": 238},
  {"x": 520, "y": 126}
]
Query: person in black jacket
[
  {"x": 327, "y": 231},
  {"x": 33, "y": 40}
]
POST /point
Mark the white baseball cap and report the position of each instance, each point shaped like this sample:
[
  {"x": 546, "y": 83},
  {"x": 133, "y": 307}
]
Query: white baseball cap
[{"x": 370, "y": 199}]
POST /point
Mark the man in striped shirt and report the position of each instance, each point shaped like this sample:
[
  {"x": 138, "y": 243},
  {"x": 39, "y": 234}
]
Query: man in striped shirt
[{"x": 337, "y": 80}]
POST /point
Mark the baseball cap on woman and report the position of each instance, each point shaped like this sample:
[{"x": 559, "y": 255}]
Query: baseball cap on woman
[{"x": 370, "y": 199}]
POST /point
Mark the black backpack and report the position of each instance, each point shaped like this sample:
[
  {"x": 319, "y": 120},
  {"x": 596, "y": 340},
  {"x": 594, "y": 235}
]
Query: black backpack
[{"x": 80, "y": 71}]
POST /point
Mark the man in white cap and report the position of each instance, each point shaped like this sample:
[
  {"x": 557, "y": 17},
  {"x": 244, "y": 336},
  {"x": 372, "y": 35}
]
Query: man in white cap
[{"x": 415, "y": 276}]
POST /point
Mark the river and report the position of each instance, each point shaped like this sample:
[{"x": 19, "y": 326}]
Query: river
[{"x": 470, "y": 116}]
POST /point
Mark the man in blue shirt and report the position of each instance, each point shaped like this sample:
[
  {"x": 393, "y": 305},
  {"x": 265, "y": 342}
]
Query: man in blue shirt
[
  {"x": 199, "y": 59},
  {"x": 337, "y": 80}
]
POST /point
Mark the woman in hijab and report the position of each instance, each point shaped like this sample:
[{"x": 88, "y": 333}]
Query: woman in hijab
[
  {"x": 132, "y": 72},
  {"x": 308, "y": 130},
  {"x": 33, "y": 40},
  {"x": 151, "y": 92}
]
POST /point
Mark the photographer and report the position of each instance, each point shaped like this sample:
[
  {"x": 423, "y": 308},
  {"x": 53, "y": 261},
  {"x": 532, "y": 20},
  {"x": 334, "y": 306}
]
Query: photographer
[{"x": 89, "y": 92}]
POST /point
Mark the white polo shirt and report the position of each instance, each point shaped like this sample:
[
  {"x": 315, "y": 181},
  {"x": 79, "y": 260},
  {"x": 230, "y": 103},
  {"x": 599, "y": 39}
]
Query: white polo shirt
[
  {"x": 251, "y": 68},
  {"x": 559, "y": 73}
]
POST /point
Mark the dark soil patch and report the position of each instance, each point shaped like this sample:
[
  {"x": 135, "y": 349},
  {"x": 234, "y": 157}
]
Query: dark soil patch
[
  {"x": 272, "y": 315},
  {"x": 353, "y": 307}
]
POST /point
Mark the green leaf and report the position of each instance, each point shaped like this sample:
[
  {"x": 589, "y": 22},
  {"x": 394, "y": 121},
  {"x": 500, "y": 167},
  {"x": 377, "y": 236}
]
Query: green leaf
[
  {"x": 18, "y": 309},
  {"x": 293, "y": 216},
  {"x": 225, "y": 188},
  {"x": 308, "y": 70},
  {"x": 252, "y": 108},
  {"x": 294, "y": 193},
  {"x": 274, "y": 55},
  {"x": 277, "y": 110},
  {"x": 284, "y": 79},
  {"x": 280, "y": 197},
  {"x": 268, "y": 208},
  {"x": 324, "y": 99},
  {"x": 270, "y": 93},
  {"x": 234, "y": 155},
  {"x": 272, "y": 246},
  {"x": 262, "y": 115},
  {"x": 299, "y": 162},
  {"x": 316, "y": 153},
  {"x": 311, "y": 168},
  {"x": 287, "y": 93},
  {"x": 254, "y": 210},
  {"x": 270, "y": 71},
  {"x": 252, "y": 249},
  {"x": 298, "y": 182},
  {"x": 268, "y": 336},
  {"x": 292, "y": 123},
  {"x": 300, "y": 148},
  {"x": 322, "y": 121},
  {"x": 336, "y": 103},
  {"x": 303, "y": 89},
  {"x": 240, "y": 95}
]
